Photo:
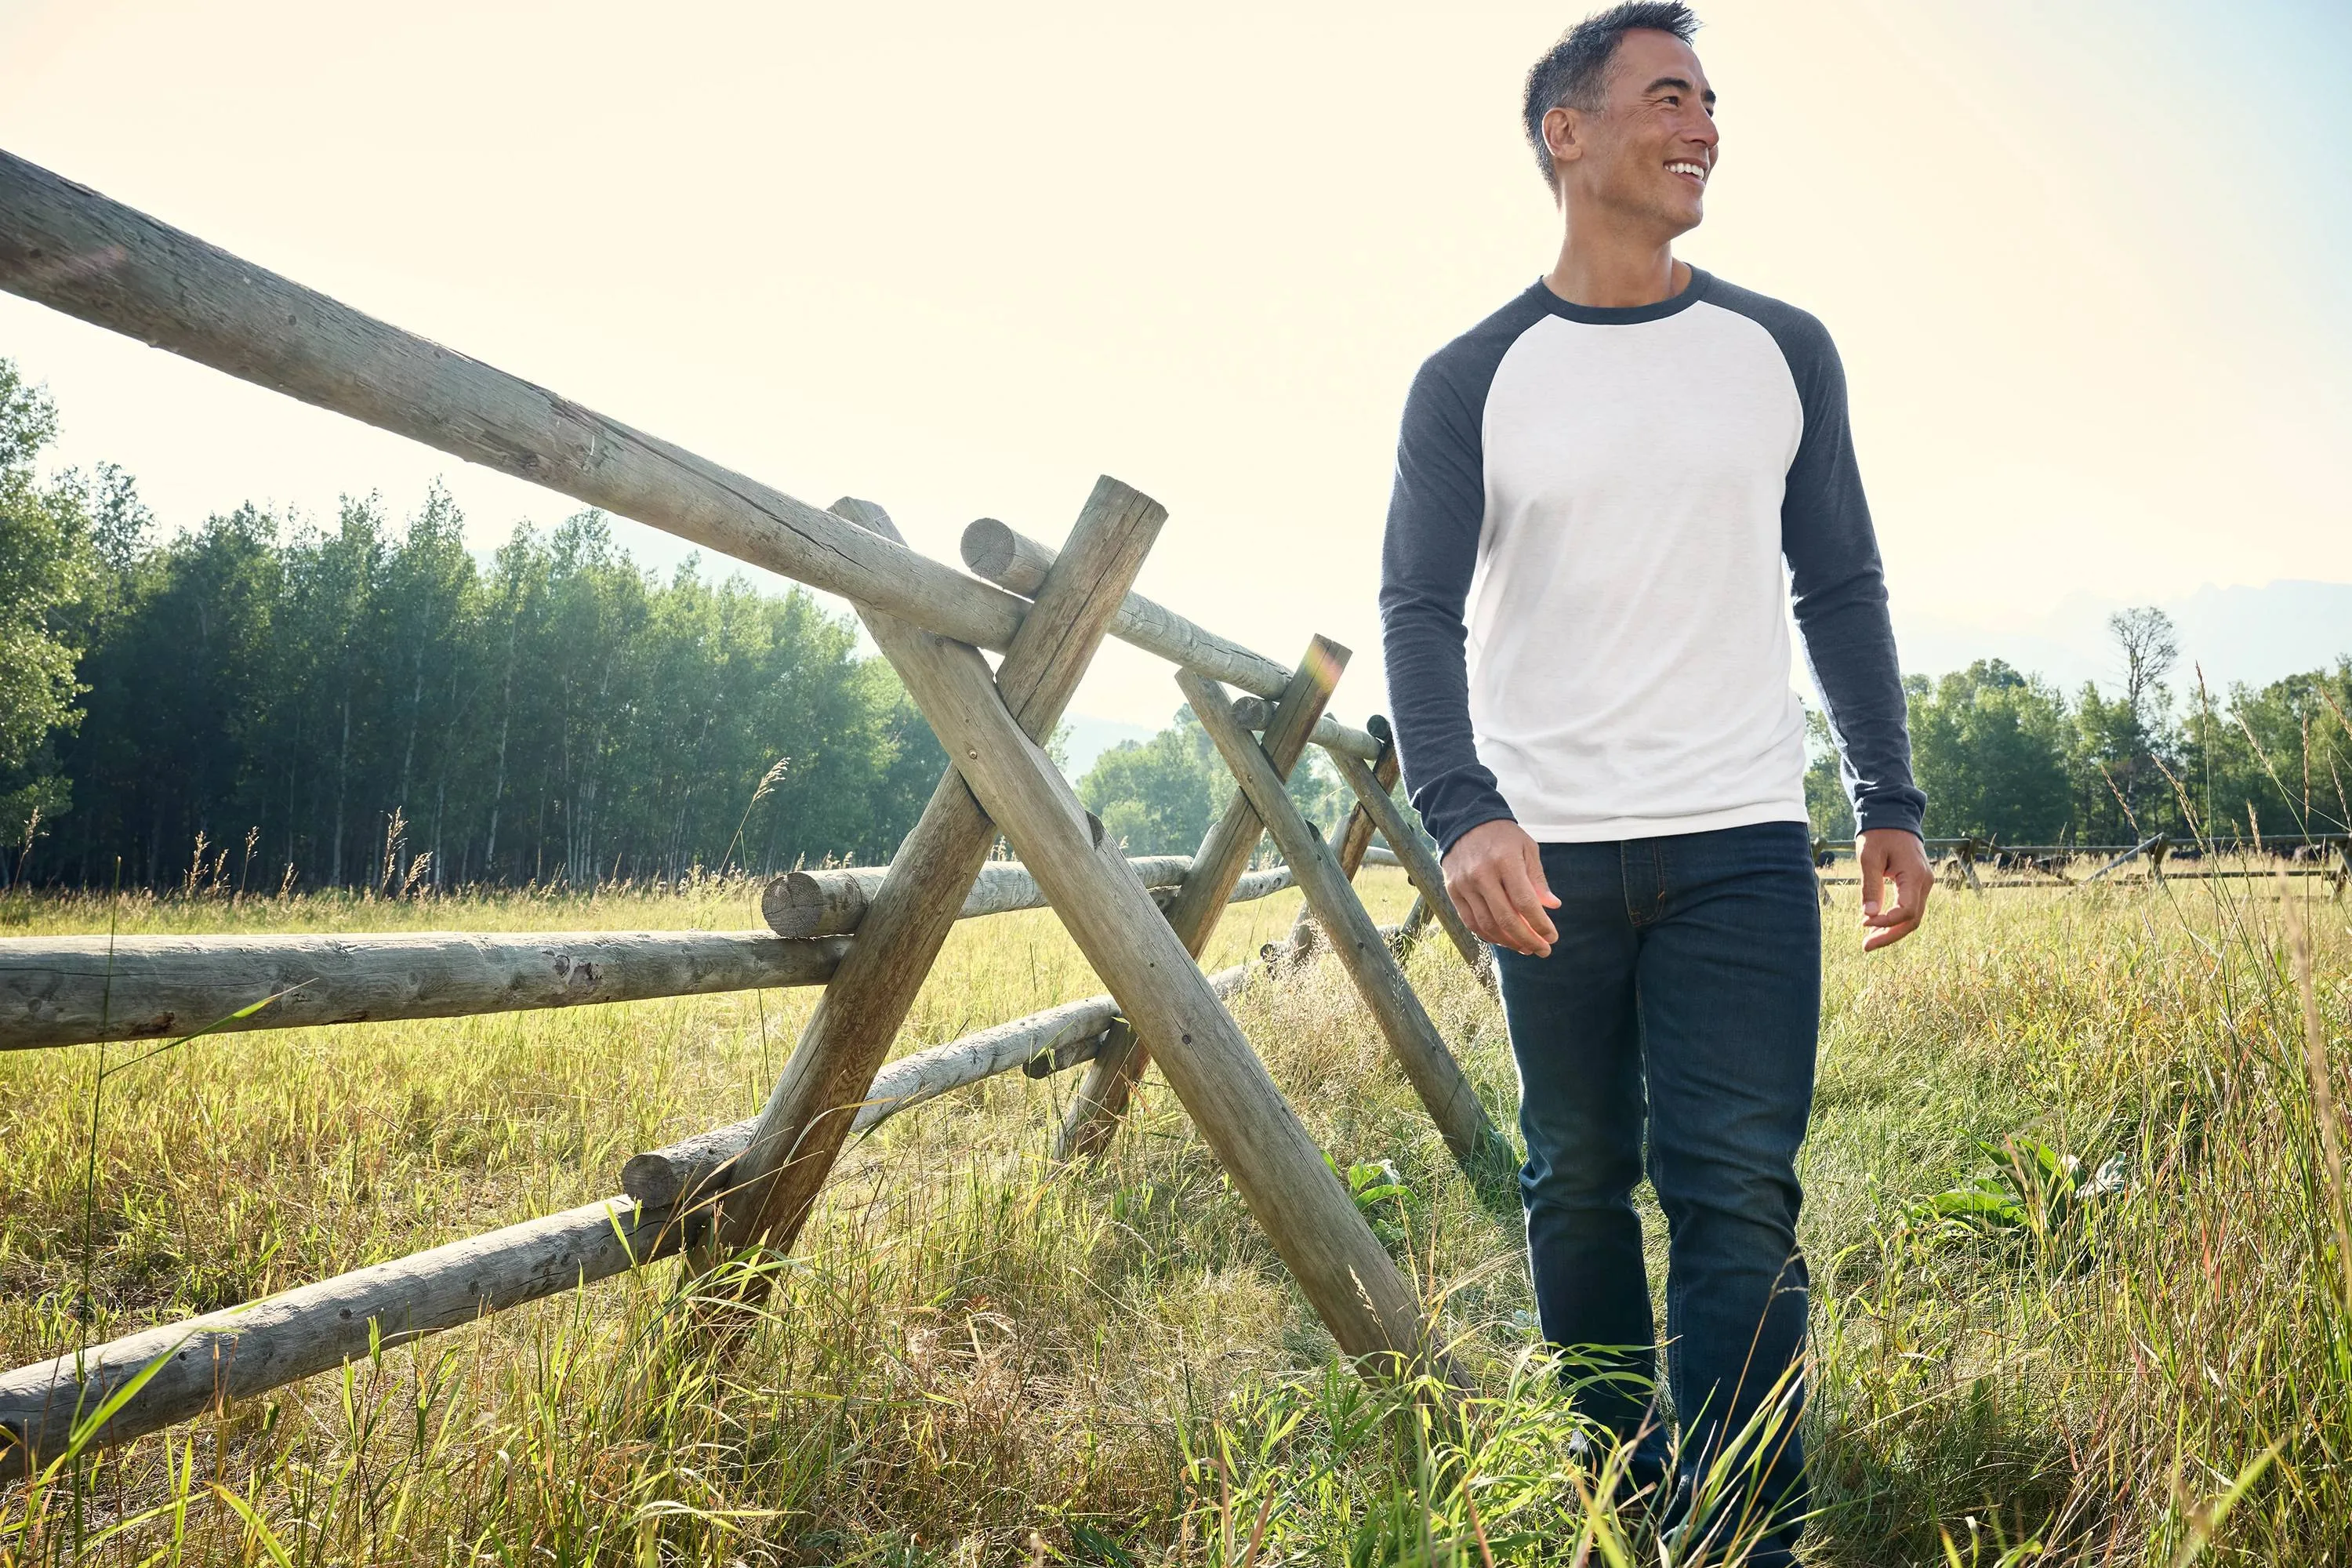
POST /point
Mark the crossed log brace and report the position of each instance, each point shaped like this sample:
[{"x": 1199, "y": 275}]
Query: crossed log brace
[{"x": 69, "y": 248}]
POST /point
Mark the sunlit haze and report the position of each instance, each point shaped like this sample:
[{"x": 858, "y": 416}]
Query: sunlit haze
[{"x": 2082, "y": 263}]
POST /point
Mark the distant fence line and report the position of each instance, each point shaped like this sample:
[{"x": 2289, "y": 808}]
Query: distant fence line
[{"x": 2294, "y": 855}]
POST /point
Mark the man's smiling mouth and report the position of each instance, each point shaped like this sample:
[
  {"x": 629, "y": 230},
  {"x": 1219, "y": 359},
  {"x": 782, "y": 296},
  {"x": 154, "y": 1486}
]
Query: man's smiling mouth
[{"x": 1696, "y": 172}]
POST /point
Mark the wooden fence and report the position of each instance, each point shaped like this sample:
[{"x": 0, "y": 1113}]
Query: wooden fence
[
  {"x": 869, "y": 936},
  {"x": 2046, "y": 866}
]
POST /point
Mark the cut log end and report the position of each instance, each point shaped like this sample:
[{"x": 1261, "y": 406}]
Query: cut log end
[
  {"x": 805, "y": 904},
  {"x": 990, "y": 547}
]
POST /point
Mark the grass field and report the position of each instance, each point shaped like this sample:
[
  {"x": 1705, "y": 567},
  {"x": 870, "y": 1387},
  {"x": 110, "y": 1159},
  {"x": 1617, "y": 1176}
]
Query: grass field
[{"x": 2080, "y": 1295}]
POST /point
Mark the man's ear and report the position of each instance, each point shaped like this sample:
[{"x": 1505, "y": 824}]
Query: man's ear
[{"x": 1561, "y": 138}]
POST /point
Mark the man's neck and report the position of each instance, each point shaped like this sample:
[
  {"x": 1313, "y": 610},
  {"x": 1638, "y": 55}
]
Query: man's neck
[{"x": 1615, "y": 272}]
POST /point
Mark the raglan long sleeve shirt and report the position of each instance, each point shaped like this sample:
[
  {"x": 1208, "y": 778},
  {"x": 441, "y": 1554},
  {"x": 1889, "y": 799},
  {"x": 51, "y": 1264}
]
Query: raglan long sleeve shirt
[{"x": 1583, "y": 593}]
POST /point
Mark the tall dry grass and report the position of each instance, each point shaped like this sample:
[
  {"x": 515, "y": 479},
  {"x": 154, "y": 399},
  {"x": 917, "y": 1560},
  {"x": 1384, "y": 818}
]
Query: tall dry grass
[{"x": 2073, "y": 1217}]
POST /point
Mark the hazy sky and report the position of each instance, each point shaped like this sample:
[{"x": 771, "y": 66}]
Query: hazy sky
[{"x": 2081, "y": 259}]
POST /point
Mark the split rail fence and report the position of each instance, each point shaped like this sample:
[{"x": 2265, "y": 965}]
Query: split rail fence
[
  {"x": 2047, "y": 866},
  {"x": 869, "y": 936}
]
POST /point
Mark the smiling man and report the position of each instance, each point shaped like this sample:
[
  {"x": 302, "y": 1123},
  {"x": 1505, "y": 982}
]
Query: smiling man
[{"x": 1584, "y": 614}]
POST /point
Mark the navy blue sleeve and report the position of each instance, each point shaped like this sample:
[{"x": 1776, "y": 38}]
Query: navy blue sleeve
[
  {"x": 1437, "y": 509},
  {"x": 1839, "y": 587}
]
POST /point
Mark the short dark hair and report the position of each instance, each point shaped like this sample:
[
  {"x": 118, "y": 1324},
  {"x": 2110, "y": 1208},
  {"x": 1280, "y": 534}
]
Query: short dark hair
[{"x": 1573, "y": 71}]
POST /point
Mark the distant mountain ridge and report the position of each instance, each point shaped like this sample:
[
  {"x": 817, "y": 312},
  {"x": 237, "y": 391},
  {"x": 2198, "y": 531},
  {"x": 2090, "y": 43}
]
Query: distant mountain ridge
[{"x": 2234, "y": 633}]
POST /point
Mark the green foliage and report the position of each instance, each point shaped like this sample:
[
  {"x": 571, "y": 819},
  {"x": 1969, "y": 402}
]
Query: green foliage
[
  {"x": 48, "y": 560},
  {"x": 2280, "y": 757},
  {"x": 369, "y": 705},
  {"x": 1159, "y": 796},
  {"x": 2032, "y": 1191},
  {"x": 1827, "y": 805},
  {"x": 556, "y": 717},
  {"x": 379, "y": 709},
  {"x": 1381, "y": 1195},
  {"x": 1988, "y": 746},
  {"x": 2002, "y": 754}
]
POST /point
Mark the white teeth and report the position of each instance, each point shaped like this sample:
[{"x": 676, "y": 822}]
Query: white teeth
[{"x": 1692, "y": 170}]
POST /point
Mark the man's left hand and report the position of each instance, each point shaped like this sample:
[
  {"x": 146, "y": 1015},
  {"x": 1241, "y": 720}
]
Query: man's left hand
[{"x": 1892, "y": 854}]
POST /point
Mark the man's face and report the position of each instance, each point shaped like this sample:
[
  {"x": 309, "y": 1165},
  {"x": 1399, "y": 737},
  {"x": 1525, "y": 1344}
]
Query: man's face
[{"x": 1644, "y": 157}]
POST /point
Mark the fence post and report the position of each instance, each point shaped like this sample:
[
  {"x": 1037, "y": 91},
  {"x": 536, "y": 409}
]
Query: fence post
[
  {"x": 1348, "y": 840},
  {"x": 1109, "y": 1081},
  {"x": 1280, "y": 1172},
  {"x": 1436, "y": 1076},
  {"x": 1428, "y": 878},
  {"x": 2101, "y": 873},
  {"x": 808, "y": 1113}
]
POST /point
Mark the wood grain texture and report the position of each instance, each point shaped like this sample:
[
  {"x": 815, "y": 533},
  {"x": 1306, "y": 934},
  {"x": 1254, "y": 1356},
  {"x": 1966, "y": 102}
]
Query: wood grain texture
[
  {"x": 1067, "y": 1036},
  {"x": 812, "y": 1103},
  {"x": 65, "y": 991},
  {"x": 1104, "y": 1093},
  {"x": 1351, "y": 838},
  {"x": 1419, "y": 865},
  {"x": 831, "y": 902},
  {"x": 1355, "y": 835},
  {"x": 248, "y": 1349},
  {"x": 1275, "y": 1165},
  {"x": 1014, "y": 561},
  {"x": 1413, "y": 1038},
  {"x": 66, "y": 246},
  {"x": 1255, "y": 712}
]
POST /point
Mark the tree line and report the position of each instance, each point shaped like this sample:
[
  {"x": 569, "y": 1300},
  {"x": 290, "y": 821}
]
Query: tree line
[
  {"x": 2002, "y": 754},
  {"x": 265, "y": 702},
  {"x": 2005, "y": 755},
  {"x": 261, "y": 702}
]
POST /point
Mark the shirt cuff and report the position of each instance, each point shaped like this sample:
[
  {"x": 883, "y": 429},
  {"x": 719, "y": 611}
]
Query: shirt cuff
[{"x": 1874, "y": 815}]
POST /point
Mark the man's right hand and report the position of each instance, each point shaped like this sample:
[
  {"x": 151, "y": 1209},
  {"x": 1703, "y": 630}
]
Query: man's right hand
[{"x": 1495, "y": 875}]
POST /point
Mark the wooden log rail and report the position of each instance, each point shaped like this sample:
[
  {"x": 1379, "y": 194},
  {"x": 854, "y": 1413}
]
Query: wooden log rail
[
  {"x": 67, "y": 991},
  {"x": 67, "y": 247},
  {"x": 204, "y": 1362},
  {"x": 1014, "y": 561},
  {"x": 805, "y": 904},
  {"x": 689, "y": 1174},
  {"x": 662, "y": 1206},
  {"x": 1351, "y": 836},
  {"x": 806, "y": 1121},
  {"x": 64, "y": 991},
  {"x": 1414, "y": 1039},
  {"x": 1364, "y": 1300},
  {"x": 1420, "y": 864},
  {"x": 1101, "y": 1101},
  {"x": 2242, "y": 844}
]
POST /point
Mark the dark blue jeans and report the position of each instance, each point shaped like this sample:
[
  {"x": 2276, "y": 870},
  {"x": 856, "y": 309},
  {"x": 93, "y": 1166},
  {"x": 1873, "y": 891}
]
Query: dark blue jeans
[{"x": 1676, "y": 1017}]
